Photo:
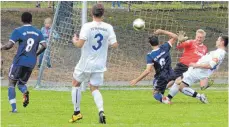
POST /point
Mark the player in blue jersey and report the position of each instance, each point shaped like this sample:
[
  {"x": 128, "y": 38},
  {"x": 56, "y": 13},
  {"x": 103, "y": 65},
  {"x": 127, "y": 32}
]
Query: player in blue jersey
[
  {"x": 160, "y": 59},
  {"x": 28, "y": 38}
]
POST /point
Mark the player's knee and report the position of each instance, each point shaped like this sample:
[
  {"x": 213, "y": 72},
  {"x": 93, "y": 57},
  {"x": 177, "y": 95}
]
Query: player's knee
[
  {"x": 75, "y": 83},
  {"x": 12, "y": 83},
  {"x": 93, "y": 88},
  {"x": 182, "y": 85},
  {"x": 178, "y": 80},
  {"x": 170, "y": 84}
]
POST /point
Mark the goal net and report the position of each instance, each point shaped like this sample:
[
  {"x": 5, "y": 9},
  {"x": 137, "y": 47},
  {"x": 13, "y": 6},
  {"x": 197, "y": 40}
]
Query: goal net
[{"x": 128, "y": 61}]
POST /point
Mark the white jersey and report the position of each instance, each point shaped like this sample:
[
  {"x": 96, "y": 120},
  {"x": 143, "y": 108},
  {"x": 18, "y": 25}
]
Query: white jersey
[
  {"x": 214, "y": 58},
  {"x": 98, "y": 36}
]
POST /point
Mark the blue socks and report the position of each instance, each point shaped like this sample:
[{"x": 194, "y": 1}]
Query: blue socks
[
  {"x": 22, "y": 88},
  {"x": 158, "y": 96},
  {"x": 12, "y": 99}
]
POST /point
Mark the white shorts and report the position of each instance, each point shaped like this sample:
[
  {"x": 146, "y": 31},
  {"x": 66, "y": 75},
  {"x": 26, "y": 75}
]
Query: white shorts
[
  {"x": 194, "y": 75},
  {"x": 94, "y": 78}
]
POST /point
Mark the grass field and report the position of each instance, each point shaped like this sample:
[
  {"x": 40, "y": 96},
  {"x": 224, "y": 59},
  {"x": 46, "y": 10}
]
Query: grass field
[{"x": 122, "y": 108}]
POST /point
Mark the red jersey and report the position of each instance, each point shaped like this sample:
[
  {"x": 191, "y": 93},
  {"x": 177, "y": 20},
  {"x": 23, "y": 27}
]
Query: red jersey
[{"x": 192, "y": 52}]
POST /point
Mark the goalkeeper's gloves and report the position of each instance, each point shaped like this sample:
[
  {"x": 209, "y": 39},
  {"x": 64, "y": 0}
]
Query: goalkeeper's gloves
[{"x": 181, "y": 37}]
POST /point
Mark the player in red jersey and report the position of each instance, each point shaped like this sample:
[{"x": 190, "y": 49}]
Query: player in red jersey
[{"x": 193, "y": 51}]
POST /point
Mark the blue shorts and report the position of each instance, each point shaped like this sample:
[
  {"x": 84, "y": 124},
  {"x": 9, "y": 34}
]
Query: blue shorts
[
  {"x": 160, "y": 82},
  {"x": 20, "y": 73}
]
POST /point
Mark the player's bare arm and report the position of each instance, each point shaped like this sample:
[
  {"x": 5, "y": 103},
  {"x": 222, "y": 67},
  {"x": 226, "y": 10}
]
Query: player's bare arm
[
  {"x": 173, "y": 37},
  {"x": 77, "y": 42},
  {"x": 7, "y": 46},
  {"x": 115, "y": 45},
  {"x": 42, "y": 49},
  {"x": 148, "y": 70}
]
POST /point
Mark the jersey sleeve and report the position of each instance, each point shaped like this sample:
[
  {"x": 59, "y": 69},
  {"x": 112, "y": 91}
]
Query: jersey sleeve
[
  {"x": 166, "y": 46},
  {"x": 149, "y": 59},
  {"x": 15, "y": 36},
  {"x": 112, "y": 38},
  {"x": 184, "y": 44},
  {"x": 83, "y": 33},
  {"x": 42, "y": 39}
]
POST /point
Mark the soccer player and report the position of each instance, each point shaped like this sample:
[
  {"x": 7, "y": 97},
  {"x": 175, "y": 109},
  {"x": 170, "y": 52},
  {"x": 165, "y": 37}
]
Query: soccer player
[
  {"x": 160, "y": 59},
  {"x": 28, "y": 38},
  {"x": 205, "y": 66},
  {"x": 94, "y": 39},
  {"x": 193, "y": 51}
]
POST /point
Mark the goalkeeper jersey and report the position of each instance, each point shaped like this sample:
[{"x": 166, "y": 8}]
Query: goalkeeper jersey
[
  {"x": 98, "y": 36},
  {"x": 192, "y": 52}
]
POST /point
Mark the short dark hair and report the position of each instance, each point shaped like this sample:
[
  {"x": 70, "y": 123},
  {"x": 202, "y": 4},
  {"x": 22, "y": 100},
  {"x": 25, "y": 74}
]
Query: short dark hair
[
  {"x": 26, "y": 17},
  {"x": 98, "y": 10},
  {"x": 153, "y": 40},
  {"x": 225, "y": 40}
]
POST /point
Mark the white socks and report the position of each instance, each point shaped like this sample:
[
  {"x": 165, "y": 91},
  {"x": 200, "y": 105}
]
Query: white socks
[
  {"x": 76, "y": 98},
  {"x": 190, "y": 92},
  {"x": 174, "y": 90},
  {"x": 98, "y": 99}
]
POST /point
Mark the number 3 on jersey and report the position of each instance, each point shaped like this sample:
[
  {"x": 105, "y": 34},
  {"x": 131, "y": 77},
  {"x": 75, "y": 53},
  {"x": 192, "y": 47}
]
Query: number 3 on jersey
[
  {"x": 99, "y": 41},
  {"x": 30, "y": 43}
]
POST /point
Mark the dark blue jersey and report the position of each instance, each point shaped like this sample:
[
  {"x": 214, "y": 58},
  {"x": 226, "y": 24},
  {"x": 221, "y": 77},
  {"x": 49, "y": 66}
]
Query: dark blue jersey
[
  {"x": 28, "y": 38},
  {"x": 161, "y": 60}
]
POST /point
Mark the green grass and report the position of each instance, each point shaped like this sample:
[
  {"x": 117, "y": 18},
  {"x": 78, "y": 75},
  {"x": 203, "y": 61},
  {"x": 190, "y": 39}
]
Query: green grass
[{"x": 122, "y": 108}]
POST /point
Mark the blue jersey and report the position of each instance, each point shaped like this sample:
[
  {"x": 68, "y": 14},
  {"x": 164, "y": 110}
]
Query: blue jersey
[
  {"x": 28, "y": 38},
  {"x": 161, "y": 60}
]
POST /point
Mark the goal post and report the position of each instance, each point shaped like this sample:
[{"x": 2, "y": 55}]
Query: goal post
[{"x": 128, "y": 61}]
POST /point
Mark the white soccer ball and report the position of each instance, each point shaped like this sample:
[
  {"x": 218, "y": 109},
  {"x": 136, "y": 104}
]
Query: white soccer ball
[{"x": 139, "y": 24}]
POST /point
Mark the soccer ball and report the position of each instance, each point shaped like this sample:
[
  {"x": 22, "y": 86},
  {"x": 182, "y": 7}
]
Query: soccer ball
[{"x": 138, "y": 24}]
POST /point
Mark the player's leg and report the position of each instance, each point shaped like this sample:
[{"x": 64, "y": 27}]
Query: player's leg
[
  {"x": 206, "y": 83},
  {"x": 95, "y": 81},
  {"x": 170, "y": 84},
  {"x": 24, "y": 77},
  {"x": 159, "y": 88},
  {"x": 12, "y": 95},
  {"x": 173, "y": 91},
  {"x": 185, "y": 89},
  {"x": 178, "y": 72},
  {"x": 190, "y": 77},
  {"x": 78, "y": 77},
  {"x": 13, "y": 78}
]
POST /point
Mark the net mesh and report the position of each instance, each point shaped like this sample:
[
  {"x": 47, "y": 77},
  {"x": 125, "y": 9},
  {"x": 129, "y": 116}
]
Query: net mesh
[{"x": 128, "y": 61}]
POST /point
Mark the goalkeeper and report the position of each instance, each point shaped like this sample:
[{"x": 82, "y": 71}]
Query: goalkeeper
[{"x": 193, "y": 51}]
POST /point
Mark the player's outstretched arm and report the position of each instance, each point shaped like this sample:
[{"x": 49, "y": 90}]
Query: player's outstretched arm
[
  {"x": 42, "y": 49},
  {"x": 173, "y": 37},
  {"x": 77, "y": 42},
  {"x": 148, "y": 69},
  {"x": 7, "y": 46}
]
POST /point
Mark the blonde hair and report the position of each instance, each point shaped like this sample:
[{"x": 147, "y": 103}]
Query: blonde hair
[
  {"x": 48, "y": 21},
  {"x": 201, "y": 31}
]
